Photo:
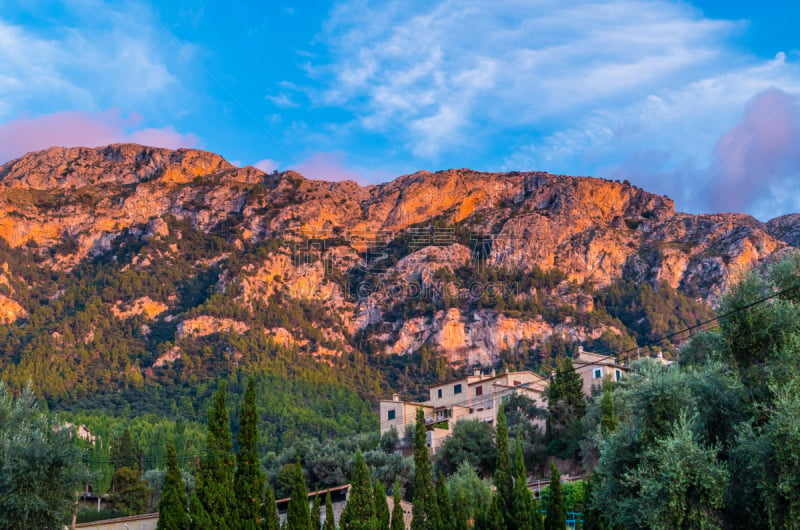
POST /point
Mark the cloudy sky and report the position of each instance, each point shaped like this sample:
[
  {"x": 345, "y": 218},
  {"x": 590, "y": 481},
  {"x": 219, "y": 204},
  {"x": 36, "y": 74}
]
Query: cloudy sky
[{"x": 696, "y": 100}]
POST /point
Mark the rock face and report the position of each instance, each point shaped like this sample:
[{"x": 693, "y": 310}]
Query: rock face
[{"x": 71, "y": 205}]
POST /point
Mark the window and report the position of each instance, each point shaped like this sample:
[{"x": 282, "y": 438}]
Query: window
[
  {"x": 457, "y": 389},
  {"x": 478, "y": 390},
  {"x": 391, "y": 414},
  {"x": 618, "y": 374},
  {"x": 598, "y": 373},
  {"x": 439, "y": 393}
]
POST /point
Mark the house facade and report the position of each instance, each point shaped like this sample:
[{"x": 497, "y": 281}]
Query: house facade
[
  {"x": 595, "y": 368},
  {"x": 475, "y": 397}
]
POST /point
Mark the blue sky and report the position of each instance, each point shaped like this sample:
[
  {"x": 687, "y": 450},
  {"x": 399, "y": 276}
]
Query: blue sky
[{"x": 698, "y": 101}]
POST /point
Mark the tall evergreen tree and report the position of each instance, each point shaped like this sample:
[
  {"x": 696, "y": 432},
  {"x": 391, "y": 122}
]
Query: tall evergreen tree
[
  {"x": 423, "y": 501},
  {"x": 330, "y": 517},
  {"x": 527, "y": 518},
  {"x": 249, "y": 480},
  {"x": 591, "y": 515},
  {"x": 556, "y": 518},
  {"x": 503, "y": 476},
  {"x": 566, "y": 407},
  {"x": 123, "y": 453},
  {"x": 173, "y": 506},
  {"x": 608, "y": 417},
  {"x": 129, "y": 490},
  {"x": 461, "y": 517},
  {"x": 444, "y": 505},
  {"x": 198, "y": 518},
  {"x": 359, "y": 512},
  {"x": 298, "y": 516},
  {"x": 269, "y": 512},
  {"x": 398, "y": 520},
  {"x": 316, "y": 513},
  {"x": 215, "y": 489},
  {"x": 381, "y": 507}
]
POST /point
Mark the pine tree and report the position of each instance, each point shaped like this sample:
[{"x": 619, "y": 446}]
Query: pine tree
[
  {"x": 556, "y": 518},
  {"x": 398, "y": 520},
  {"x": 215, "y": 489},
  {"x": 527, "y": 518},
  {"x": 330, "y": 517},
  {"x": 444, "y": 505},
  {"x": 249, "y": 480},
  {"x": 173, "y": 506},
  {"x": 269, "y": 512},
  {"x": 503, "y": 476},
  {"x": 381, "y": 507},
  {"x": 298, "y": 516},
  {"x": 359, "y": 512},
  {"x": 423, "y": 489}
]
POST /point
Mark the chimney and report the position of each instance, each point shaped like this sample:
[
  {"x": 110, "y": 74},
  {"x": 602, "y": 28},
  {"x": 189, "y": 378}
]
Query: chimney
[
  {"x": 395, "y": 397},
  {"x": 660, "y": 354},
  {"x": 494, "y": 372},
  {"x": 476, "y": 372}
]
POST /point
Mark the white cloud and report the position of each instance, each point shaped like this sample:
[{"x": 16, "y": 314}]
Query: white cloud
[
  {"x": 437, "y": 72},
  {"x": 267, "y": 165},
  {"x": 101, "y": 56}
]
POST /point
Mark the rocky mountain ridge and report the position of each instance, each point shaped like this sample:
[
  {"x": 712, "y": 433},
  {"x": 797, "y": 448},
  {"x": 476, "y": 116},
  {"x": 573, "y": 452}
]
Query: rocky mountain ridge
[{"x": 464, "y": 264}]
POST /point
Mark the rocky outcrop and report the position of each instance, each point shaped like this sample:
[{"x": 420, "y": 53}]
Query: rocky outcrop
[
  {"x": 786, "y": 228},
  {"x": 204, "y": 325},
  {"x": 10, "y": 310},
  {"x": 142, "y": 306}
]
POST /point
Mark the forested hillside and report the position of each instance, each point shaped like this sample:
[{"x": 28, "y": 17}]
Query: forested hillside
[{"x": 134, "y": 279}]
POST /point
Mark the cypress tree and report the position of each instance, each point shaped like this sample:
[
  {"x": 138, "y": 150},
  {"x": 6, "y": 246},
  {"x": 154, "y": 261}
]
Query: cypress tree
[
  {"x": 123, "y": 453},
  {"x": 461, "y": 519},
  {"x": 556, "y": 518},
  {"x": 298, "y": 516},
  {"x": 269, "y": 512},
  {"x": 444, "y": 505},
  {"x": 503, "y": 476},
  {"x": 249, "y": 480},
  {"x": 608, "y": 417},
  {"x": 129, "y": 490},
  {"x": 316, "y": 515},
  {"x": 527, "y": 518},
  {"x": 215, "y": 489},
  {"x": 398, "y": 520},
  {"x": 359, "y": 512},
  {"x": 198, "y": 518},
  {"x": 566, "y": 406},
  {"x": 381, "y": 507},
  {"x": 173, "y": 506},
  {"x": 330, "y": 517},
  {"x": 423, "y": 501}
]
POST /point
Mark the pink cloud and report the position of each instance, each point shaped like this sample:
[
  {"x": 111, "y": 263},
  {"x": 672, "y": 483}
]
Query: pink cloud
[
  {"x": 74, "y": 129},
  {"x": 757, "y": 155},
  {"x": 167, "y": 137},
  {"x": 334, "y": 166}
]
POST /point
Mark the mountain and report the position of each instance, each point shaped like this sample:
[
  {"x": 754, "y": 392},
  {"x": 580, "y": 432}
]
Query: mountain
[{"x": 129, "y": 270}]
